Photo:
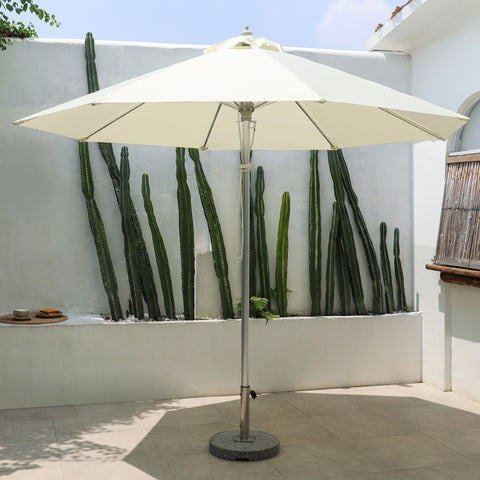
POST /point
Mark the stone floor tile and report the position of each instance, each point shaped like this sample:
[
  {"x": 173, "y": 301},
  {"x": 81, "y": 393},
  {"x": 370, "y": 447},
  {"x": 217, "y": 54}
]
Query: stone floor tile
[
  {"x": 176, "y": 440},
  {"x": 33, "y": 473},
  {"x": 465, "y": 441},
  {"x": 193, "y": 416},
  {"x": 364, "y": 424},
  {"x": 264, "y": 406},
  {"x": 119, "y": 470},
  {"x": 321, "y": 460},
  {"x": 27, "y": 455},
  {"x": 104, "y": 446},
  {"x": 455, "y": 471},
  {"x": 404, "y": 451},
  {"x": 207, "y": 467},
  {"x": 41, "y": 413},
  {"x": 436, "y": 417},
  {"x": 297, "y": 430},
  {"x": 27, "y": 431}
]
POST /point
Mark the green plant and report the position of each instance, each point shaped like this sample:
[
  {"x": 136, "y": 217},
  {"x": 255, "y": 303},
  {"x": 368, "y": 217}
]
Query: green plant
[
  {"x": 262, "y": 251},
  {"x": 346, "y": 232},
  {"x": 331, "y": 256},
  {"x": 282, "y": 255},
  {"x": 314, "y": 235},
  {"x": 130, "y": 252},
  {"x": 216, "y": 237},
  {"x": 98, "y": 232},
  {"x": 372, "y": 262},
  {"x": 160, "y": 251},
  {"x": 262, "y": 307},
  {"x": 12, "y": 29},
  {"x": 187, "y": 243},
  {"x": 144, "y": 266},
  {"x": 401, "y": 297},
  {"x": 386, "y": 269}
]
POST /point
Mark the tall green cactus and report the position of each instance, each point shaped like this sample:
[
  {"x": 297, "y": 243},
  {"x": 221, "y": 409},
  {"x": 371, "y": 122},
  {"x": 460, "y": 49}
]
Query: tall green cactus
[
  {"x": 216, "y": 237},
  {"x": 187, "y": 243},
  {"x": 130, "y": 251},
  {"x": 373, "y": 267},
  {"x": 144, "y": 265},
  {"x": 99, "y": 237},
  {"x": 262, "y": 251},
  {"x": 331, "y": 256},
  {"x": 342, "y": 275},
  {"x": 386, "y": 269},
  {"x": 347, "y": 235},
  {"x": 401, "y": 297},
  {"x": 282, "y": 255},
  {"x": 314, "y": 235},
  {"x": 160, "y": 251}
]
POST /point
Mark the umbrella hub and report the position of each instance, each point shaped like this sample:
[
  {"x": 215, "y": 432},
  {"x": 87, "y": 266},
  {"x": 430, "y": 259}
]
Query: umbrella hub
[
  {"x": 246, "y": 41},
  {"x": 246, "y": 109}
]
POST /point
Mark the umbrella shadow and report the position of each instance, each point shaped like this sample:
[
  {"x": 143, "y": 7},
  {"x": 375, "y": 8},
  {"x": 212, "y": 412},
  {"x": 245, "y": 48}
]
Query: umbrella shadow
[{"x": 334, "y": 432}]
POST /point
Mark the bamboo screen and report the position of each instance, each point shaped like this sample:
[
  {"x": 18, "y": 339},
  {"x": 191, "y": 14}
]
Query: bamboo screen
[{"x": 458, "y": 242}]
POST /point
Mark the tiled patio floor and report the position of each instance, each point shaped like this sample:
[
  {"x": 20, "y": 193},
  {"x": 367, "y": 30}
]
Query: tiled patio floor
[{"x": 395, "y": 432}]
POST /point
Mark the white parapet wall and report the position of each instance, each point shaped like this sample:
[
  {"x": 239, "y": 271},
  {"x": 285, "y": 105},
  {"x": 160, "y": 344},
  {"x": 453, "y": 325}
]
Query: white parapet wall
[{"x": 66, "y": 364}]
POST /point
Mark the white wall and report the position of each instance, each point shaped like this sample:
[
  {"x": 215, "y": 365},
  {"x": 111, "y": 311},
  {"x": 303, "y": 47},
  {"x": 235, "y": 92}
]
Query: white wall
[
  {"x": 47, "y": 256},
  {"x": 444, "y": 71},
  {"x": 60, "y": 364}
]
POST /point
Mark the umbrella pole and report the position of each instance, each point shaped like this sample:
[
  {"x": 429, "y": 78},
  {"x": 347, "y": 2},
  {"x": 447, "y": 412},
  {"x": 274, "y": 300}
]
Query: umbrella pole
[
  {"x": 235, "y": 445},
  {"x": 245, "y": 118}
]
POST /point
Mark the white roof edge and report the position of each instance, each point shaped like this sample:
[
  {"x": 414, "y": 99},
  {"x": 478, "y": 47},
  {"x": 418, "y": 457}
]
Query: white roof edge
[{"x": 380, "y": 40}]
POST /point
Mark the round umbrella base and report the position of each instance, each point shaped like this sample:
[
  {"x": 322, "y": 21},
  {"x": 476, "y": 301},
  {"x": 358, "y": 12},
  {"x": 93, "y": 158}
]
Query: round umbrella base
[{"x": 226, "y": 445}]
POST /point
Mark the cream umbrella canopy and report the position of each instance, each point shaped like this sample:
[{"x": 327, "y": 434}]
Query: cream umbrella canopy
[{"x": 247, "y": 93}]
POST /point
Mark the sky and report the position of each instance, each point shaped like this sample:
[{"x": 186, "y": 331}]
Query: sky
[{"x": 336, "y": 24}]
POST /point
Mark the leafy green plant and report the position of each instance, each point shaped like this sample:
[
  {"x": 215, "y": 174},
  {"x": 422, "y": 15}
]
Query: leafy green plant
[
  {"x": 11, "y": 29},
  {"x": 216, "y": 237},
  {"x": 160, "y": 251},
  {"x": 262, "y": 307}
]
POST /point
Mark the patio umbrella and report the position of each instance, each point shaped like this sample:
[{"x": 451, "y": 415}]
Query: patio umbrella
[{"x": 247, "y": 93}]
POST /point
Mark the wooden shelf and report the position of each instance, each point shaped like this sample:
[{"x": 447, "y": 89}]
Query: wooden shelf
[{"x": 458, "y": 276}]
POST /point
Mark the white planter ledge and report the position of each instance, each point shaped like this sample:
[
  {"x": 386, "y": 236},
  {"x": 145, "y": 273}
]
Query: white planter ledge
[{"x": 85, "y": 360}]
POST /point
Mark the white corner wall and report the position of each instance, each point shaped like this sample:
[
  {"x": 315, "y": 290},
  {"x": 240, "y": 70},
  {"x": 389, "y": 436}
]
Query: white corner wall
[
  {"x": 444, "y": 71},
  {"x": 47, "y": 256}
]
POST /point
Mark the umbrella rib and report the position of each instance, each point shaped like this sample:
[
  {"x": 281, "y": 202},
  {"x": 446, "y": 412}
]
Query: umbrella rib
[
  {"x": 411, "y": 122},
  {"x": 324, "y": 135},
  {"x": 130, "y": 110},
  {"x": 204, "y": 146}
]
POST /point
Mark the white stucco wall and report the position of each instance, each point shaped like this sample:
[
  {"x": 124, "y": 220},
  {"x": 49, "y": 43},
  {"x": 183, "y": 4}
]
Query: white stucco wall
[
  {"x": 47, "y": 256},
  {"x": 444, "y": 71}
]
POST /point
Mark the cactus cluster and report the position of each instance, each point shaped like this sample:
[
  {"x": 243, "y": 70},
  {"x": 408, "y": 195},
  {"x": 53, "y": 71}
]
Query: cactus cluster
[
  {"x": 282, "y": 255},
  {"x": 187, "y": 239},
  {"x": 216, "y": 237},
  {"x": 160, "y": 251},
  {"x": 143, "y": 264},
  {"x": 331, "y": 256},
  {"x": 401, "y": 297},
  {"x": 386, "y": 269},
  {"x": 314, "y": 235},
  {"x": 262, "y": 251},
  {"x": 107, "y": 272},
  {"x": 346, "y": 232}
]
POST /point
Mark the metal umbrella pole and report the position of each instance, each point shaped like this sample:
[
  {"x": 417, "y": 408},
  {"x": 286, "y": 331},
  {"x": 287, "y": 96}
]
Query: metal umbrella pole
[{"x": 245, "y": 444}]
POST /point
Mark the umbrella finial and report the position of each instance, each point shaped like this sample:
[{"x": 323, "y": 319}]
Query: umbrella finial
[{"x": 247, "y": 31}]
